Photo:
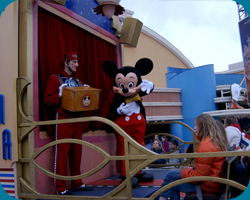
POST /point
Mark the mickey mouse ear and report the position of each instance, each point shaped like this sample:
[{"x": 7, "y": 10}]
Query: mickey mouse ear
[
  {"x": 144, "y": 66},
  {"x": 109, "y": 67}
]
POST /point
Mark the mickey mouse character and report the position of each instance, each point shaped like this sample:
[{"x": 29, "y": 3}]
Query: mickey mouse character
[{"x": 127, "y": 109}]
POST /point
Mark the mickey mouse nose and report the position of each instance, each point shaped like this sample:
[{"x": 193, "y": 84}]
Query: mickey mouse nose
[{"x": 125, "y": 90}]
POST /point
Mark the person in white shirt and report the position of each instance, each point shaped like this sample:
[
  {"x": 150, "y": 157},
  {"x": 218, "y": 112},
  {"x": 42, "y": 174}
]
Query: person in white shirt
[{"x": 233, "y": 130}]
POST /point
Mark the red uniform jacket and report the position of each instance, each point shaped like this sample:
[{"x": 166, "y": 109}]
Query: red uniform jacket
[{"x": 51, "y": 97}]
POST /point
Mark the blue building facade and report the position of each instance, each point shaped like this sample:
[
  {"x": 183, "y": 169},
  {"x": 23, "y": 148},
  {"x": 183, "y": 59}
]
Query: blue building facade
[{"x": 198, "y": 90}]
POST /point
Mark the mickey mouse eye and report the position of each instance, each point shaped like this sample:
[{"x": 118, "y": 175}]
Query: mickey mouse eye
[
  {"x": 130, "y": 84},
  {"x": 122, "y": 85}
]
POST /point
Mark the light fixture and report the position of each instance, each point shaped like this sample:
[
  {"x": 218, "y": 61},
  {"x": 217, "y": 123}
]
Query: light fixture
[{"x": 109, "y": 8}]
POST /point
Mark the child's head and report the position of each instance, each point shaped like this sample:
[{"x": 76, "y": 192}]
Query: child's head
[
  {"x": 157, "y": 137},
  {"x": 230, "y": 120},
  {"x": 156, "y": 144},
  {"x": 245, "y": 129},
  {"x": 173, "y": 144}
]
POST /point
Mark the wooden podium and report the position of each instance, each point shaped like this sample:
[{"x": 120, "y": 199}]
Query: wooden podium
[{"x": 77, "y": 99}]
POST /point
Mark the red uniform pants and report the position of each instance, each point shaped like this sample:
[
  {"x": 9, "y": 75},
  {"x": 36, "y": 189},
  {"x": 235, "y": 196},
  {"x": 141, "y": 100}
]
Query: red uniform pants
[
  {"x": 68, "y": 153},
  {"x": 135, "y": 127}
]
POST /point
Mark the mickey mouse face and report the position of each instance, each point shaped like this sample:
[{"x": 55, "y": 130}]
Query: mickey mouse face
[
  {"x": 86, "y": 99},
  {"x": 125, "y": 84},
  {"x": 127, "y": 79}
]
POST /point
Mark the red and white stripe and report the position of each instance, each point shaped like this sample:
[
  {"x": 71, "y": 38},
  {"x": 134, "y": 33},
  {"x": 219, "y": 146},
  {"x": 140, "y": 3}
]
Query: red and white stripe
[{"x": 7, "y": 180}]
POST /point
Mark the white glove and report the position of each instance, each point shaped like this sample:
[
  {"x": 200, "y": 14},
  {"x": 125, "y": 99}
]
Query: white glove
[
  {"x": 86, "y": 85},
  {"x": 146, "y": 86},
  {"x": 235, "y": 91},
  {"x": 125, "y": 109},
  {"x": 61, "y": 90}
]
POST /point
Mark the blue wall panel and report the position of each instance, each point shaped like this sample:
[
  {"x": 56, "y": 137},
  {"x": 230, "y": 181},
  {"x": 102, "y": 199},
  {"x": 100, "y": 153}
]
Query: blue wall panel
[
  {"x": 229, "y": 79},
  {"x": 197, "y": 95}
]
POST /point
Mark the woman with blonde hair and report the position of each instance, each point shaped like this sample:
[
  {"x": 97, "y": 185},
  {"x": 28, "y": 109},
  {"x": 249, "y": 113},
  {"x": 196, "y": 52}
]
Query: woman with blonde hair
[
  {"x": 157, "y": 148},
  {"x": 211, "y": 140}
]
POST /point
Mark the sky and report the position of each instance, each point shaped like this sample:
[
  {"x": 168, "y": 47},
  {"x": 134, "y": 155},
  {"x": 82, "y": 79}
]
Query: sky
[{"x": 206, "y": 32}]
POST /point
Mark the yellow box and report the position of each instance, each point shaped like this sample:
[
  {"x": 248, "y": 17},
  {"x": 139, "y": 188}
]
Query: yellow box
[{"x": 77, "y": 99}]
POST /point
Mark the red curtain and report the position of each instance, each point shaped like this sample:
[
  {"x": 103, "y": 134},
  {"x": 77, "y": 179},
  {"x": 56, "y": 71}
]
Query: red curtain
[{"x": 56, "y": 37}]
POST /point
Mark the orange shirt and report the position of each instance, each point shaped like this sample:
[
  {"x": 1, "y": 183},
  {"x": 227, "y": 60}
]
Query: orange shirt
[{"x": 211, "y": 166}]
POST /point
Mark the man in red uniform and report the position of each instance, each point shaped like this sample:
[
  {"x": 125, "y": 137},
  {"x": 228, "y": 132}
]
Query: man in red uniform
[{"x": 65, "y": 151}]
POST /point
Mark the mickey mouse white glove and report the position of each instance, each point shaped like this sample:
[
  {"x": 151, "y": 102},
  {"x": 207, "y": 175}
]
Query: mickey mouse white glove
[
  {"x": 61, "y": 89},
  {"x": 86, "y": 85},
  {"x": 146, "y": 86},
  {"x": 125, "y": 109}
]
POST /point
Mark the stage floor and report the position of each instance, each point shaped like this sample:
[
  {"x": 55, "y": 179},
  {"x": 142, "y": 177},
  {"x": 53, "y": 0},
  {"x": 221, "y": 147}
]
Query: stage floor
[{"x": 102, "y": 187}]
